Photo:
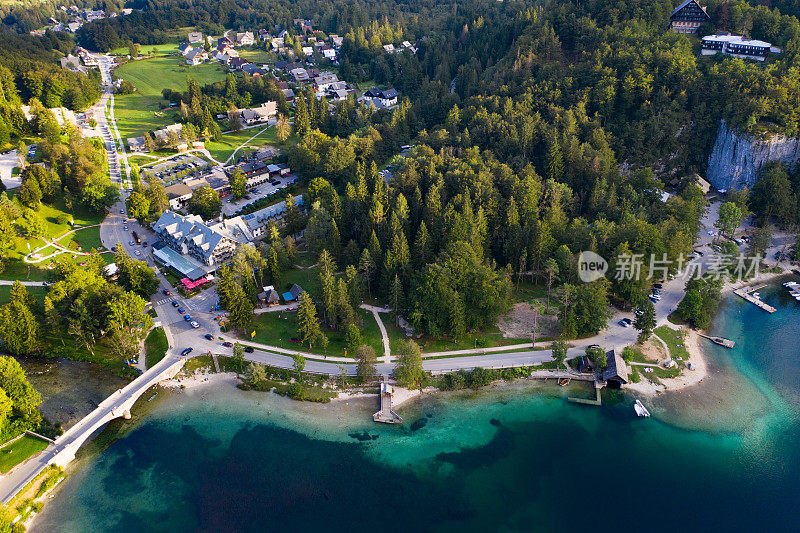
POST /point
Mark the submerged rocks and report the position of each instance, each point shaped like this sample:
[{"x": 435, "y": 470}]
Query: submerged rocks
[{"x": 736, "y": 158}]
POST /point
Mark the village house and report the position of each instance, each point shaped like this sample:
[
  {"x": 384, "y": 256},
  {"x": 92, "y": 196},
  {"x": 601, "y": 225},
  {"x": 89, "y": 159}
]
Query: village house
[
  {"x": 253, "y": 70},
  {"x": 136, "y": 144},
  {"x": 162, "y": 135},
  {"x": 259, "y": 114},
  {"x": 178, "y": 195},
  {"x": 324, "y": 81},
  {"x": 90, "y": 15},
  {"x": 299, "y": 75},
  {"x": 258, "y": 221},
  {"x": 195, "y": 37},
  {"x": 184, "y": 48},
  {"x": 687, "y": 17},
  {"x": 328, "y": 52},
  {"x": 736, "y": 46},
  {"x": 277, "y": 43},
  {"x": 336, "y": 41},
  {"x": 236, "y": 63},
  {"x": 268, "y": 297},
  {"x": 389, "y": 48},
  {"x": 73, "y": 27},
  {"x": 380, "y": 97},
  {"x": 245, "y": 38},
  {"x": 196, "y": 57},
  {"x": 293, "y": 293}
]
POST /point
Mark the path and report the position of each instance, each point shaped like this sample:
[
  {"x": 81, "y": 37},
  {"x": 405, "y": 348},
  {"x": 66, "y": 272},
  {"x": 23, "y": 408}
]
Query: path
[
  {"x": 54, "y": 244},
  {"x": 387, "y": 349},
  {"x": 25, "y": 283},
  {"x": 245, "y": 144}
]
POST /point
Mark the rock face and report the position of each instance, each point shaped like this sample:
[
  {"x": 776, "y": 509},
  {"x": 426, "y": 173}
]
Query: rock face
[{"x": 736, "y": 158}]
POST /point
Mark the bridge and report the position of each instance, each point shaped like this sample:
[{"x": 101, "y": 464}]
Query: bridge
[{"x": 63, "y": 451}]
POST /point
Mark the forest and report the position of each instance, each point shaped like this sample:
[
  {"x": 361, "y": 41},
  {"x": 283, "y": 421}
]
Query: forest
[{"x": 541, "y": 129}]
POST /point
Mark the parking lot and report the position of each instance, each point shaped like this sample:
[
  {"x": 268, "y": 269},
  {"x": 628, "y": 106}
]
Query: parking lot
[
  {"x": 178, "y": 168},
  {"x": 265, "y": 190}
]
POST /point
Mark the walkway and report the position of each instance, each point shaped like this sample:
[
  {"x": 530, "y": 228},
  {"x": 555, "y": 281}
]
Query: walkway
[
  {"x": 245, "y": 144},
  {"x": 54, "y": 244},
  {"x": 387, "y": 349}
]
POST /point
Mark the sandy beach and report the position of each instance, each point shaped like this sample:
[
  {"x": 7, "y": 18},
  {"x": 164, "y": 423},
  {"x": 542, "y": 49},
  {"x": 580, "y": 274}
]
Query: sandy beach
[
  {"x": 198, "y": 378},
  {"x": 687, "y": 378}
]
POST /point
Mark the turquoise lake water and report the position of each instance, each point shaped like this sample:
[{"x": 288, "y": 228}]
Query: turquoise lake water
[{"x": 723, "y": 456}]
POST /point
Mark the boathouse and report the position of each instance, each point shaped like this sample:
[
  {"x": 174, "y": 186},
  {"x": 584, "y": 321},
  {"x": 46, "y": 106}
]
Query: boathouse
[{"x": 616, "y": 372}]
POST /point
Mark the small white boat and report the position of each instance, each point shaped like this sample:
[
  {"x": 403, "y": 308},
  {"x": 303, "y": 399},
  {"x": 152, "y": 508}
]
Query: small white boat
[
  {"x": 790, "y": 284},
  {"x": 640, "y": 409}
]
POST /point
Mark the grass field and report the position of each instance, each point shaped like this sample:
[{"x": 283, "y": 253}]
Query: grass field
[
  {"x": 222, "y": 149},
  {"x": 277, "y": 328},
  {"x": 258, "y": 57},
  {"x": 136, "y": 113},
  {"x": 155, "y": 346},
  {"x": 37, "y": 292},
  {"x": 19, "y": 450},
  {"x": 86, "y": 239}
]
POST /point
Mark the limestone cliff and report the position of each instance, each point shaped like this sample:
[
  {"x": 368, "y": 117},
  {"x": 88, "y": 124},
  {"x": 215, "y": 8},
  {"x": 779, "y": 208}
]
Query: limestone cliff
[{"x": 736, "y": 158}]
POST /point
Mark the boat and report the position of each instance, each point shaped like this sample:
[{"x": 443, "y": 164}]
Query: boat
[
  {"x": 153, "y": 396},
  {"x": 640, "y": 409},
  {"x": 791, "y": 284},
  {"x": 563, "y": 381}
]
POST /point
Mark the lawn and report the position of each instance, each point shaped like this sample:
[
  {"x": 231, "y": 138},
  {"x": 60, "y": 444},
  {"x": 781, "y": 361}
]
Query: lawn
[
  {"x": 277, "y": 328},
  {"x": 674, "y": 339},
  {"x": 87, "y": 239},
  {"x": 256, "y": 56},
  {"x": 137, "y": 113},
  {"x": 155, "y": 346},
  {"x": 16, "y": 452},
  {"x": 225, "y": 146},
  {"x": 38, "y": 293}
]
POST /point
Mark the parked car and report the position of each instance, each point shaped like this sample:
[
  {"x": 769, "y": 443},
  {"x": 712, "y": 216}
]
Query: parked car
[
  {"x": 227, "y": 344},
  {"x": 166, "y": 292},
  {"x": 175, "y": 304},
  {"x": 209, "y": 336},
  {"x": 625, "y": 322},
  {"x": 658, "y": 286},
  {"x": 194, "y": 324},
  {"x": 249, "y": 349},
  {"x": 113, "y": 248},
  {"x": 187, "y": 351},
  {"x": 187, "y": 318}
]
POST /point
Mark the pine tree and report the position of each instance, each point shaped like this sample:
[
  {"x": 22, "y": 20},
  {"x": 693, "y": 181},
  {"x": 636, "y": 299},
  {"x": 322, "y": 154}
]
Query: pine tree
[{"x": 308, "y": 325}]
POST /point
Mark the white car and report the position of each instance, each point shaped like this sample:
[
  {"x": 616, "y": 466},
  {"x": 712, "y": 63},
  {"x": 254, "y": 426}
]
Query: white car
[
  {"x": 195, "y": 325},
  {"x": 137, "y": 252}
]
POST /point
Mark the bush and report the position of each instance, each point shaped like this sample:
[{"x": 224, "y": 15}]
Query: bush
[{"x": 296, "y": 391}]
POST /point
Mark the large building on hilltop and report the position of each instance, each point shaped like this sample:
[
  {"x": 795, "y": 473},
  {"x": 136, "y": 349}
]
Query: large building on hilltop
[{"x": 687, "y": 17}]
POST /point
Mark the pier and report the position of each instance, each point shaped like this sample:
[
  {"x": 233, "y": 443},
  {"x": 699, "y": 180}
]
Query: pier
[
  {"x": 746, "y": 294},
  {"x": 719, "y": 340},
  {"x": 386, "y": 415}
]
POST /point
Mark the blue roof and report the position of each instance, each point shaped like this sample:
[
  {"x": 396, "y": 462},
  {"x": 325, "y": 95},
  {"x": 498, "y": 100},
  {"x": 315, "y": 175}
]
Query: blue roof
[{"x": 287, "y": 296}]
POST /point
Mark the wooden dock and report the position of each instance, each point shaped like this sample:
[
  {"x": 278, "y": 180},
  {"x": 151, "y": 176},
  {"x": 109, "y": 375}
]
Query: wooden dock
[
  {"x": 585, "y": 401},
  {"x": 386, "y": 415},
  {"x": 745, "y": 293},
  {"x": 719, "y": 340}
]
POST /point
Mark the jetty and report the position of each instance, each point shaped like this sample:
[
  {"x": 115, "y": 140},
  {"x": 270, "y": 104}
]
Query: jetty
[
  {"x": 727, "y": 343},
  {"x": 746, "y": 293},
  {"x": 386, "y": 415}
]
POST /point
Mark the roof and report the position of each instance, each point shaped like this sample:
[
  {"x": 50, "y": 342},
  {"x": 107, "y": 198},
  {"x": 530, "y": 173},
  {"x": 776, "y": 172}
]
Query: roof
[
  {"x": 736, "y": 40},
  {"x": 296, "y": 290},
  {"x": 616, "y": 368},
  {"x": 178, "y": 190},
  {"x": 686, "y": 3},
  {"x": 270, "y": 296},
  {"x": 287, "y": 296},
  {"x": 135, "y": 141}
]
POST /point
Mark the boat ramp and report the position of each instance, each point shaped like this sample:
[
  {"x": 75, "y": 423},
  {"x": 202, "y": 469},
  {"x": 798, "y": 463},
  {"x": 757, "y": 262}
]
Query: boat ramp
[{"x": 719, "y": 340}]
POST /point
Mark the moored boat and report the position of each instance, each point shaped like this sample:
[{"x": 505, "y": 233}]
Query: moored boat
[{"x": 640, "y": 409}]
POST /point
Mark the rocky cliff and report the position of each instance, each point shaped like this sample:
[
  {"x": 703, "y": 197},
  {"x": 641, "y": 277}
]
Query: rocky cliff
[{"x": 736, "y": 158}]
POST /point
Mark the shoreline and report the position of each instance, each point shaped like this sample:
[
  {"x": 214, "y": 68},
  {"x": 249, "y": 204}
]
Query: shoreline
[{"x": 686, "y": 379}]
